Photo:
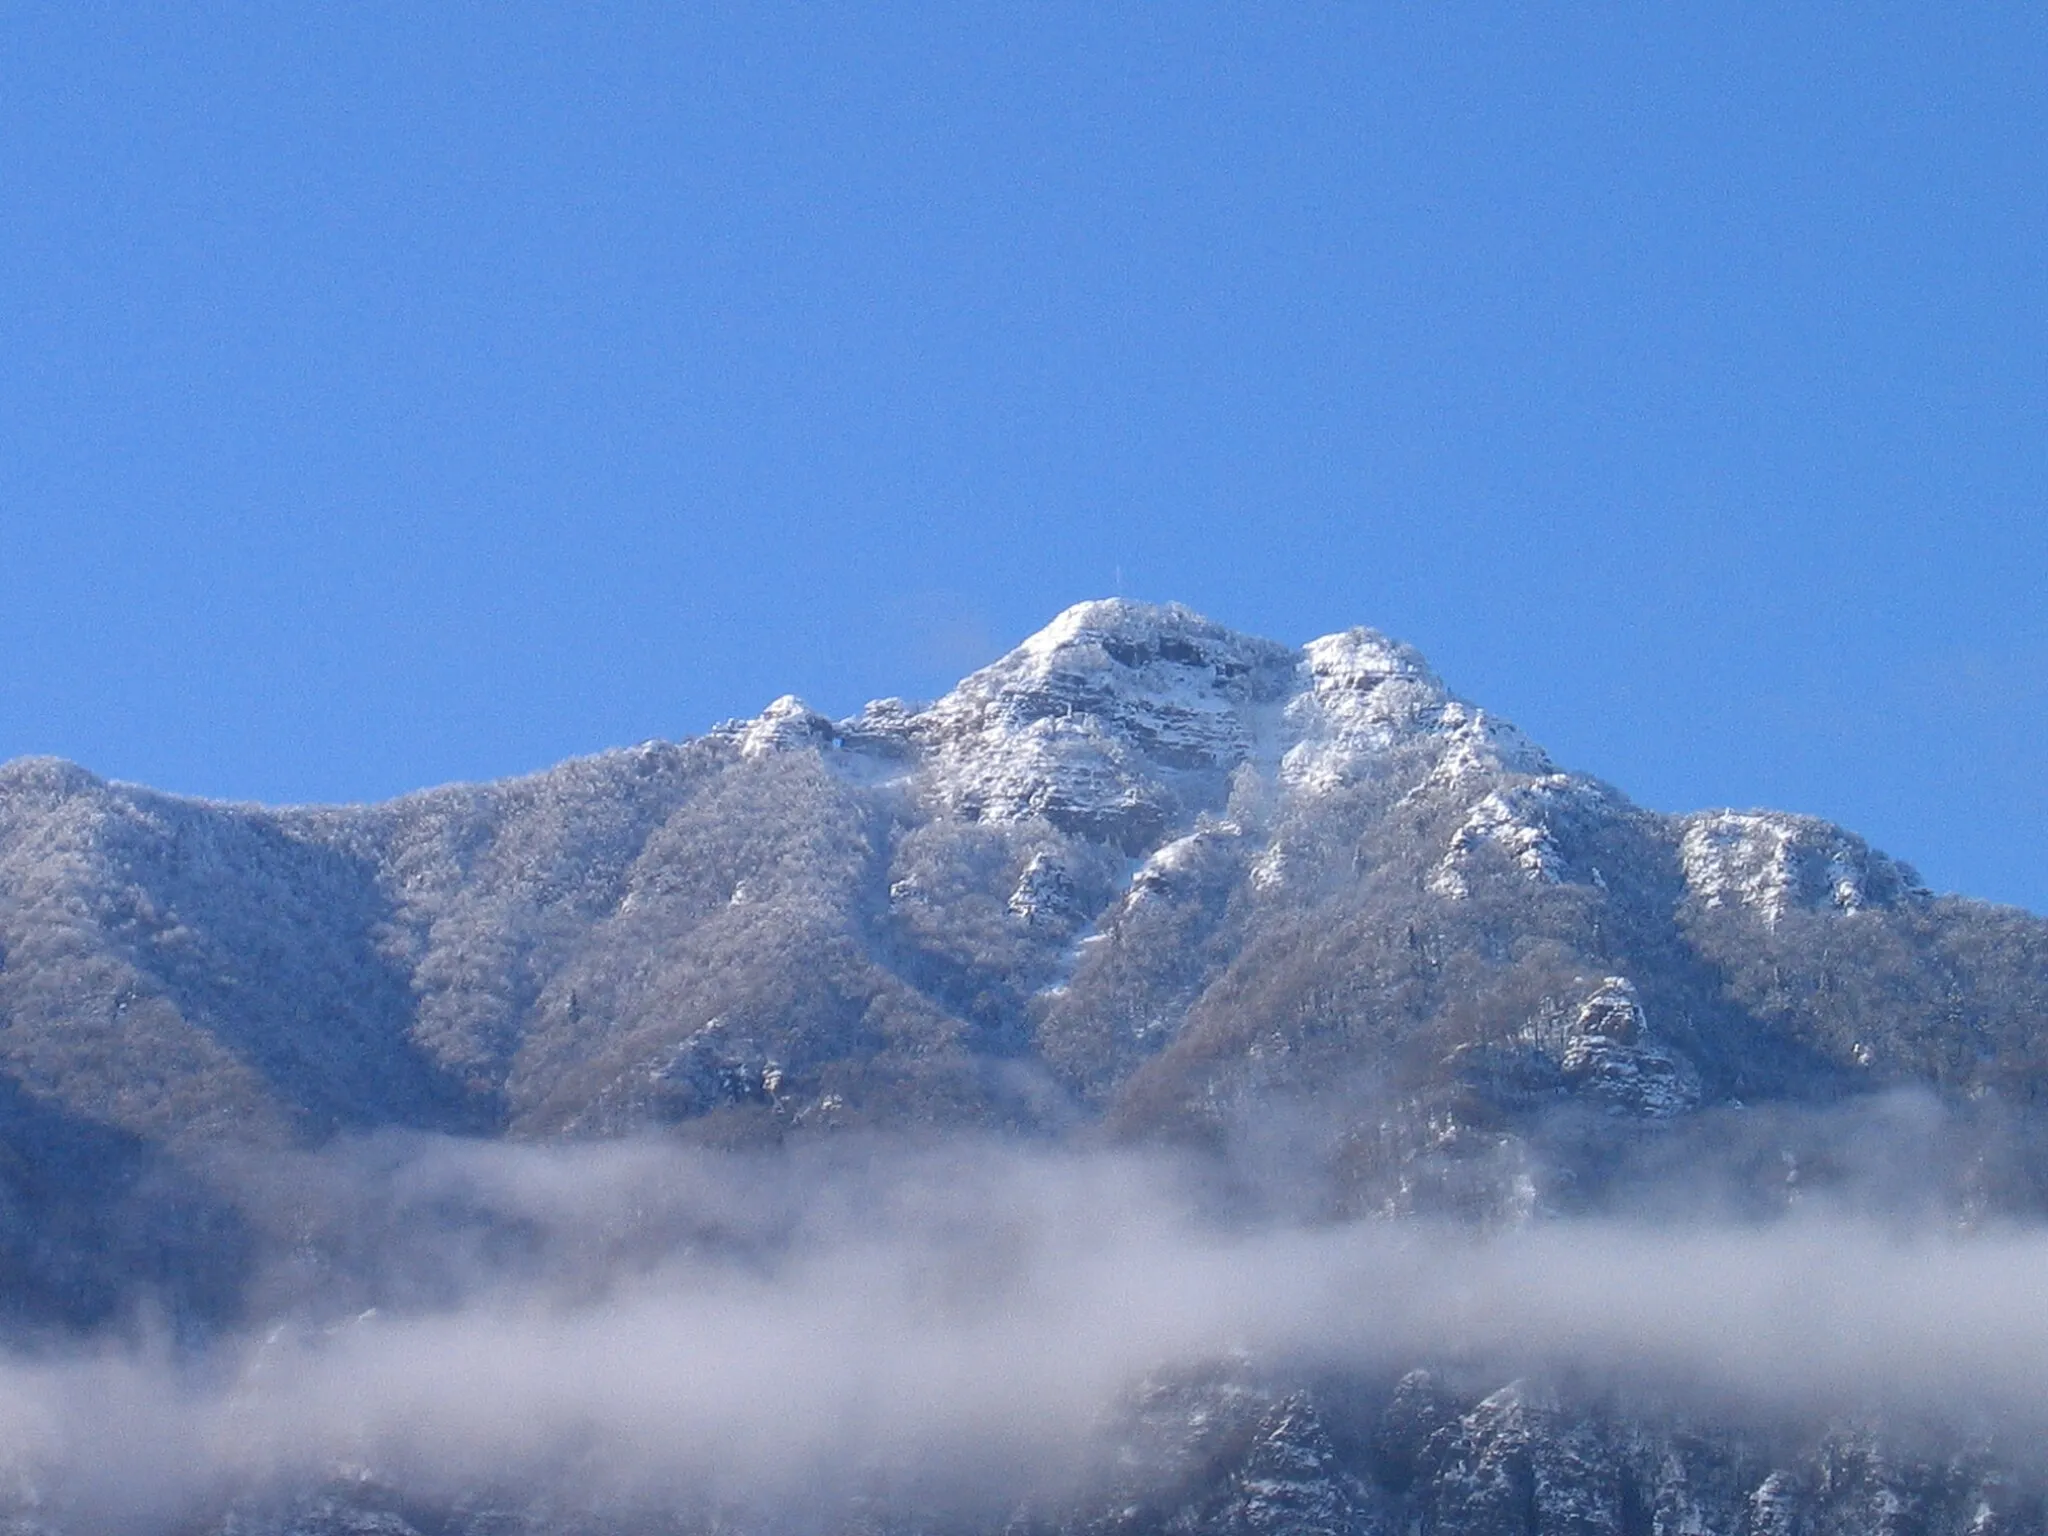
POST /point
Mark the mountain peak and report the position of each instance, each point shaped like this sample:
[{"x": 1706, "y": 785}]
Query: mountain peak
[
  {"x": 1118, "y": 615},
  {"x": 1122, "y": 719},
  {"x": 1117, "y": 644},
  {"x": 1107, "y": 718}
]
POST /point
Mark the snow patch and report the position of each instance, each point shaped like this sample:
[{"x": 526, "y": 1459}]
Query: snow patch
[
  {"x": 1045, "y": 895},
  {"x": 786, "y": 725},
  {"x": 1364, "y": 694},
  {"x": 1771, "y": 862},
  {"x": 1477, "y": 746},
  {"x": 1520, "y": 821},
  {"x": 1611, "y": 1055},
  {"x": 1268, "y": 871}
]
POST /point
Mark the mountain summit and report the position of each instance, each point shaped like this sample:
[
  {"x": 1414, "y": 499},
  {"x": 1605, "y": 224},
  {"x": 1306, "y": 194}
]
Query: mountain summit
[{"x": 1120, "y": 717}]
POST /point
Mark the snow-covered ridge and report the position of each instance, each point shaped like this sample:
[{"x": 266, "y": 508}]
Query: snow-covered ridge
[
  {"x": 788, "y": 722},
  {"x": 1123, "y": 721},
  {"x": 1773, "y": 862},
  {"x": 1119, "y": 719},
  {"x": 1364, "y": 694}
]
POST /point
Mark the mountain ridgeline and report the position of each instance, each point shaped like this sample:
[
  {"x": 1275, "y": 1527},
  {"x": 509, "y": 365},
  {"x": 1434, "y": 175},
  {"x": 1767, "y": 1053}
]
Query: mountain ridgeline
[
  {"x": 1142, "y": 873},
  {"x": 1298, "y": 915}
]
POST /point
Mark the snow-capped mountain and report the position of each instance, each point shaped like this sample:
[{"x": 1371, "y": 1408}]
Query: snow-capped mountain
[
  {"x": 1063, "y": 889},
  {"x": 1143, "y": 879}
]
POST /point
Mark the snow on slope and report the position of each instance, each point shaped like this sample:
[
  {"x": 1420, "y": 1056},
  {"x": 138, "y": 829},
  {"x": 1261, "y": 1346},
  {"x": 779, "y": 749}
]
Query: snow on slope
[
  {"x": 1365, "y": 694},
  {"x": 1120, "y": 720},
  {"x": 1772, "y": 861}
]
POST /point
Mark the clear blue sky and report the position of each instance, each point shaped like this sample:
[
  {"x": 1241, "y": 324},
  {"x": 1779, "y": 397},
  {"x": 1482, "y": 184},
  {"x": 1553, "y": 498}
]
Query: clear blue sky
[{"x": 392, "y": 394}]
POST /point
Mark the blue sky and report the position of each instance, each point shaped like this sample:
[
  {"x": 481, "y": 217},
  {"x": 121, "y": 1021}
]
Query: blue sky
[{"x": 397, "y": 394}]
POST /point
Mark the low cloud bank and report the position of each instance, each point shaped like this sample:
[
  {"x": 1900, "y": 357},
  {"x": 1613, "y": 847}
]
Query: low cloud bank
[{"x": 648, "y": 1321}]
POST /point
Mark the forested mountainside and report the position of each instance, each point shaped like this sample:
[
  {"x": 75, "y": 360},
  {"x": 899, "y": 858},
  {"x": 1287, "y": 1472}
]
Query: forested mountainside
[{"x": 1299, "y": 915}]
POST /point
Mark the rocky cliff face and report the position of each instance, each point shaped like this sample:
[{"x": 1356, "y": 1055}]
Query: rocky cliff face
[{"x": 1142, "y": 879}]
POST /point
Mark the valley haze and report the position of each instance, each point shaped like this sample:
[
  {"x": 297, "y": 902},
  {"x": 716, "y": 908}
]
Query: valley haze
[{"x": 1175, "y": 1081}]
